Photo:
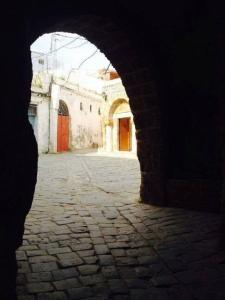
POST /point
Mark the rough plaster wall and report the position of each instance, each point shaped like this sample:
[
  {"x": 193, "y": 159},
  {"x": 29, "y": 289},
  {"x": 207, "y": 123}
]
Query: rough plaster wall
[
  {"x": 122, "y": 108},
  {"x": 114, "y": 89},
  {"x": 115, "y": 135},
  {"x": 54, "y": 105},
  {"x": 43, "y": 126},
  {"x": 85, "y": 126}
]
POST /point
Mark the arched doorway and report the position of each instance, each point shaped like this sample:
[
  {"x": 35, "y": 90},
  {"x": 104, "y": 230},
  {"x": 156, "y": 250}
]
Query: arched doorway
[
  {"x": 119, "y": 127},
  {"x": 63, "y": 127},
  {"x": 122, "y": 125}
]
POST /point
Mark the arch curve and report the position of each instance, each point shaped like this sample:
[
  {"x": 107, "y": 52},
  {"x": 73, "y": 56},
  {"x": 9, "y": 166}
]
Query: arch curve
[
  {"x": 113, "y": 105},
  {"x": 63, "y": 109},
  {"x": 114, "y": 40}
]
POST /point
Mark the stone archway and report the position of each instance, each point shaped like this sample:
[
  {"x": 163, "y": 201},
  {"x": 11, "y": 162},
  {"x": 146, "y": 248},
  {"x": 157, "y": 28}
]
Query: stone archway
[
  {"x": 187, "y": 42},
  {"x": 143, "y": 95},
  {"x": 119, "y": 128}
]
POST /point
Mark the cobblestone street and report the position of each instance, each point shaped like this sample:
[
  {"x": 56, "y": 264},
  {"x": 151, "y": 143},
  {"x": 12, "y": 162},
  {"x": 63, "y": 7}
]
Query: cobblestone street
[{"x": 88, "y": 237}]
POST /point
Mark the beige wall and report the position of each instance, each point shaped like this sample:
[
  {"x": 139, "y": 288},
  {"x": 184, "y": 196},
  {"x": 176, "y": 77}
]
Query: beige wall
[{"x": 85, "y": 124}]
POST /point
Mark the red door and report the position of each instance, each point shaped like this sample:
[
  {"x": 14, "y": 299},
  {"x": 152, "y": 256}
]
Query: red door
[
  {"x": 124, "y": 134},
  {"x": 63, "y": 133}
]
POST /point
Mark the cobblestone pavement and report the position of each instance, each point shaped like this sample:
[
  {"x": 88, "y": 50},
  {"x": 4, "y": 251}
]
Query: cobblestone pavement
[{"x": 88, "y": 237}]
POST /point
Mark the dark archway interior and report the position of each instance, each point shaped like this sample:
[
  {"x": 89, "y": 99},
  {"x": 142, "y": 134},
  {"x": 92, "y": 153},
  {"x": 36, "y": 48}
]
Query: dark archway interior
[{"x": 171, "y": 62}]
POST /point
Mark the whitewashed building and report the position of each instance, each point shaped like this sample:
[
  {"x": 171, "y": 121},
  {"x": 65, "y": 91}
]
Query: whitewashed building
[
  {"x": 85, "y": 113},
  {"x": 38, "y": 112}
]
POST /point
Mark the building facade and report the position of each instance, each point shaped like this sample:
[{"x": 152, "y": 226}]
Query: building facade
[
  {"x": 89, "y": 113},
  {"x": 118, "y": 125}
]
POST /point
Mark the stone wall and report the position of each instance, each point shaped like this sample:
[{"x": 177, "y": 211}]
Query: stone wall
[
  {"x": 171, "y": 63},
  {"x": 163, "y": 72},
  {"x": 170, "y": 58}
]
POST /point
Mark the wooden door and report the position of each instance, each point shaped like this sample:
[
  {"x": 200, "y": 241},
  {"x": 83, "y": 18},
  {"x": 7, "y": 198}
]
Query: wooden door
[
  {"x": 124, "y": 134},
  {"x": 63, "y": 133}
]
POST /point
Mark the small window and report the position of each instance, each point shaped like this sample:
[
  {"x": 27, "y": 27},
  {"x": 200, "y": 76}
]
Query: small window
[
  {"x": 90, "y": 108},
  {"x": 99, "y": 111},
  {"x": 32, "y": 110},
  {"x": 104, "y": 95},
  {"x": 41, "y": 61},
  {"x": 81, "y": 106}
]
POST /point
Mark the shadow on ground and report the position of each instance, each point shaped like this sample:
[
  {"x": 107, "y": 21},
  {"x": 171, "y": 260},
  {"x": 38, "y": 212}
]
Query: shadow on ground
[{"x": 88, "y": 237}]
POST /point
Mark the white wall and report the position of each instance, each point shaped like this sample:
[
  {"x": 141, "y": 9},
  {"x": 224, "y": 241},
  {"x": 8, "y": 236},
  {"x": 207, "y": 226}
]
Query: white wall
[
  {"x": 42, "y": 122},
  {"x": 85, "y": 126},
  {"x": 43, "y": 126},
  {"x": 54, "y": 105}
]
